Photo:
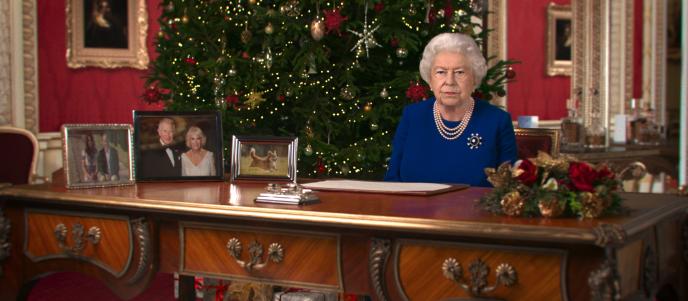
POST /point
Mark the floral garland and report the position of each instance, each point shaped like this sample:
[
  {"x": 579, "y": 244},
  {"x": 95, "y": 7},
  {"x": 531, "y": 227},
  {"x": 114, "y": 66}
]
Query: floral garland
[{"x": 552, "y": 187}]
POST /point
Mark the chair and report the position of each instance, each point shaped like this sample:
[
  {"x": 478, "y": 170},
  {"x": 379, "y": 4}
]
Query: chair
[
  {"x": 20, "y": 153},
  {"x": 530, "y": 141}
]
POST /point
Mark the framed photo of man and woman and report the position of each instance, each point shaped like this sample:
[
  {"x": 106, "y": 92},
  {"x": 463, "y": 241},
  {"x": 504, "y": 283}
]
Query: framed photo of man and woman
[
  {"x": 97, "y": 155},
  {"x": 177, "y": 146}
]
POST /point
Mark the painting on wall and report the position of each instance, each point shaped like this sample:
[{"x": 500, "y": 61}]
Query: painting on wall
[
  {"x": 107, "y": 33},
  {"x": 559, "y": 40}
]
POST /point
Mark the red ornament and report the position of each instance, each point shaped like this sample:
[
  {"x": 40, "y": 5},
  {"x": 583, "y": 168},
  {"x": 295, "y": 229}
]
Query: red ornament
[
  {"x": 510, "y": 73},
  {"x": 394, "y": 42},
  {"x": 416, "y": 92},
  {"x": 319, "y": 166},
  {"x": 245, "y": 55},
  {"x": 379, "y": 7},
  {"x": 232, "y": 100},
  {"x": 152, "y": 95},
  {"x": 281, "y": 98},
  {"x": 190, "y": 61},
  {"x": 333, "y": 20}
]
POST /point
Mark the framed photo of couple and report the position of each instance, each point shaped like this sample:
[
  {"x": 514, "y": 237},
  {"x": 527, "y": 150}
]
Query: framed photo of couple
[
  {"x": 97, "y": 155},
  {"x": 263, "y": 158},
  {"x": 172, "y": 146}
]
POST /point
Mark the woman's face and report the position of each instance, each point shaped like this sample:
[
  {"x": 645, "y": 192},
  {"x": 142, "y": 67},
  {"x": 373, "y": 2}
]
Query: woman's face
[
  {"x": 195, "y": 141},
  {"x": 451, "y": 78}
]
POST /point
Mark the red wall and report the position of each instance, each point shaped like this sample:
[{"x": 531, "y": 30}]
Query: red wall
[
  {"x": 533, "y": 92},
  {"x": 87, "y": 95}
]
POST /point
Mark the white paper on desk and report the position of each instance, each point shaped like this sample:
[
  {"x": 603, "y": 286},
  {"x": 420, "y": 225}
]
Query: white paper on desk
[{"x": 374, "y": 186}]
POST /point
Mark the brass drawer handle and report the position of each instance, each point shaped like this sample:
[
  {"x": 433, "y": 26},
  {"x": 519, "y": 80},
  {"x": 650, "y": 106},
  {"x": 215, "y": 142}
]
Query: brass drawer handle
[
  {"x": 93, "y": 236},
  {"x": 255, "y": 251},
  {"x": 477, "y": 283}
]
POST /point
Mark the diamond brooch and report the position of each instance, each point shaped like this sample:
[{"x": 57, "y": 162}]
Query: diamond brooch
[{"x": 474, "y": 141}]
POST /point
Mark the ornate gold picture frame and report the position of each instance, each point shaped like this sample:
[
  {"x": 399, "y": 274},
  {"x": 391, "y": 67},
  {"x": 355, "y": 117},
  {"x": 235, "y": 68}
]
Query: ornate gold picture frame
[
  {"x": 559, "y": 40},
  {"x": 107, "y": 34},
  {"x": 97, "y": 155}
]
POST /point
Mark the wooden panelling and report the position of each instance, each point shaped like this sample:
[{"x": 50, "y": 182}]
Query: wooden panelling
[
  {"x": 419, "y": 266},
  {"x": 112, "y": 253},
  {"x": 628, "y": 259},
  {"x": 310, "y": 260}
]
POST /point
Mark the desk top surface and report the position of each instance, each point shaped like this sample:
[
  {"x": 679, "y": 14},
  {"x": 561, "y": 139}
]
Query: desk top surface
[{"x": 451, "y": 213}]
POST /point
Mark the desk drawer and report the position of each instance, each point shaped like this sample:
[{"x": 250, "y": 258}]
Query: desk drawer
[
  {"x": 306, "y": 259},
  {"x": 419, "y": 265},
  {"x": 103, "y": 240}
]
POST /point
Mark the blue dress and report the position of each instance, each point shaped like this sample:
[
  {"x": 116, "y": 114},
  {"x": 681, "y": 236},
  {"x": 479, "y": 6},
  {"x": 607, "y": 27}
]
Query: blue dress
[{"x": 420, "y": 154}]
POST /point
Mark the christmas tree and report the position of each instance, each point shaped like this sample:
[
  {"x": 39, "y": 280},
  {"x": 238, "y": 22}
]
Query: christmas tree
[{"x": 335, "y": 74}]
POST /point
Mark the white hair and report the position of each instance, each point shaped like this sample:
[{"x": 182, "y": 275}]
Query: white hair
[{"x": 454, "y": 42}]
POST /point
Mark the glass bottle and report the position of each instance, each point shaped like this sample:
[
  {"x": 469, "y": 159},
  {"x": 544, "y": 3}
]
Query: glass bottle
[
  {"x": 648, "y": 130},
  {"x": 596, "y": 134},
  {"x": 571, "y": 128}
]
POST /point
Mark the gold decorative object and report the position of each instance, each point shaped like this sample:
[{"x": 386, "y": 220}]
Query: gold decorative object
[
  {"x": 254, "y": 99},
  {"x": 317, "y": 29},
  {"x": 512, "y": 203},
  {"x": 255, "y": 251},
  {"x": 551, "y": 208},
  {"x": 499, "y": 177},
  {"x": 477, "y": 284},
  {"x": 246, "y": 36},
  {"x": 93, "y": 236},
  {"x": 592, "y": 205}
]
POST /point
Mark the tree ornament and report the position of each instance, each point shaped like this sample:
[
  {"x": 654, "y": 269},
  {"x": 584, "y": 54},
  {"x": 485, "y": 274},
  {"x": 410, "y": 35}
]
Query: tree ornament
[
  {"x": 232, "y": 100},
  {"x": 291, "y": 8},
  {"x": 510, "y": 73},
  {"x": 394, "y": 42},
  {"x": 190, "y": 60},
  {"x": 185, "y": 19},
  {"x": 333, "y": 20},
  {"x": 317, "y": 29},
  {"x": 477, "y": 6},
  {"x": 412, "y": 10},
  {"x": 169, "y": 7},
  {"x": 366, "y": 37},
  {"x": 161, "y": 34},
  {"x": 245, "y": 55},
  {"x": 374, "y": 126},
  {"x": 308, "y": 150},
  {"x": 416, "y": 92},
  {"x": 384, "y": 93},
  {"x": 345, "y": 169},
  {"x": 402, "y": 52},
  {"x": 512, "y": 204},
  {"x": 440, "y": 13},
  {"x": 152, "y": 94},
  {"x": 246, "y": 36},
  {"x": 254, "y": 99},
  {"x": 252, "y": 2},
  {"x": 501, "y": 93},
  {"x": 232, "y": 71},
  {"x": 368, "y": 107},
  {"x": 269, "y": 29},
  {"x": 347, "y": 93},
  {"x": 309, "y": 131},
  {"x": 268, "y": 58}
]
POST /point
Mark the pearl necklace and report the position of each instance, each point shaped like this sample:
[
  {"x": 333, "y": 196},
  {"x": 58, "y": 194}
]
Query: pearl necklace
[{"x": 450, "y": 133}]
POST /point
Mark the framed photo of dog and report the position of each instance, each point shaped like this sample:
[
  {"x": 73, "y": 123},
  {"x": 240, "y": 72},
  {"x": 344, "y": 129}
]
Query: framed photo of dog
[
  {"x": 97, "y": 155},
  {"x": 107, "y": 33},
  {"x": 177, "y": 146},
  {"x": 264, "y": 158}
]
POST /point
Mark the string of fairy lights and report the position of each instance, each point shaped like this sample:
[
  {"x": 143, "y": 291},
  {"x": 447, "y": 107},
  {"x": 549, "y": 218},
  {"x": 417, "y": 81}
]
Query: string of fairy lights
[{"x": 266, "y": 91}]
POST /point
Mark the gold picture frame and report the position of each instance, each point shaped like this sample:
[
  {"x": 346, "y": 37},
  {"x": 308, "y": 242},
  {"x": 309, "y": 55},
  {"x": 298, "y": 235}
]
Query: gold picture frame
[
  {"x": 97, "y": 155},
  {"x": 263, "y": 158},
  {"x": 559, "y": 40},
  {"x": 107, "y": 34}
]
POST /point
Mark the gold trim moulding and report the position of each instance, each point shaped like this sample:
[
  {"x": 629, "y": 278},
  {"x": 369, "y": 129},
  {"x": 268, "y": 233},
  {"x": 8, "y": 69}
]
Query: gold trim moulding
[{"x": 418, "y": 225}]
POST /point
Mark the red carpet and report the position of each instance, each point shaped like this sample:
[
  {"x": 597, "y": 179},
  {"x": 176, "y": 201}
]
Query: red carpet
[{"x": 70, "y": 286}]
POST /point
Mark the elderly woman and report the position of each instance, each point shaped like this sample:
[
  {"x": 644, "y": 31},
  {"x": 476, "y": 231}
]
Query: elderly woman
[
  {"x": 451, "y": 138},
  {"x": 197, "y": 161}
]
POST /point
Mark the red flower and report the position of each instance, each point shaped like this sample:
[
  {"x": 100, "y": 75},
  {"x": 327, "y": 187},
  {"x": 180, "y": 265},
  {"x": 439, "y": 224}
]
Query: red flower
[
  {"x": 152, "y": 95},
  {"x": 379, "y": 7},
  {"x": 529, "y": 174},
  {"x": 333, "y": 20},
  {"x": 416, "y": 91},
  {"x": 582, "y": 176},
  {"x": 603, "y": 173},
  {"x": 190, "y": 61}
]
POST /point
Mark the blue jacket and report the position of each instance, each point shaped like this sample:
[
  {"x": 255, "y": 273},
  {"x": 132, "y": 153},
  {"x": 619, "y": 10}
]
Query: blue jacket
[{"x": 420, "y": 154}]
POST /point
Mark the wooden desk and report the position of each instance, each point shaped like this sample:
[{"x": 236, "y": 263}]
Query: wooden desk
[{"x": 391, "y": 247}]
